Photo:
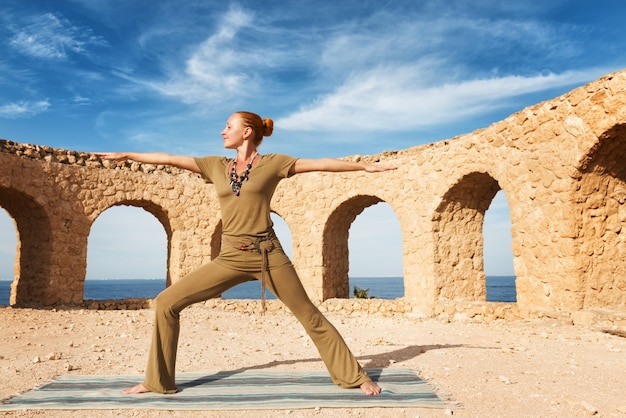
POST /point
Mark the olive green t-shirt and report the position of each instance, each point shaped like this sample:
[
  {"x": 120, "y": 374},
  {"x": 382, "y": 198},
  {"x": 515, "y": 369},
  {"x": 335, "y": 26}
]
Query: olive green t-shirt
[{"x": 249, "y": 213}]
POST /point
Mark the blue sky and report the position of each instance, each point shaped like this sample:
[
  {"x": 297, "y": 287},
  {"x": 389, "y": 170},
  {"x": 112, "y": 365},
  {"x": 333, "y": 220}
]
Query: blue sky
[{"x": 338, "y": 77}]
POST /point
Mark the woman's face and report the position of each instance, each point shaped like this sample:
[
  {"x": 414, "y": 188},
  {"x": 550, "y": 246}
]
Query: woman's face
[{"x": 234, "y": 132}]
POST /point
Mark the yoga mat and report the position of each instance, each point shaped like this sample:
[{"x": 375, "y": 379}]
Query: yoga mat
[{"x": 230, "y": 390}]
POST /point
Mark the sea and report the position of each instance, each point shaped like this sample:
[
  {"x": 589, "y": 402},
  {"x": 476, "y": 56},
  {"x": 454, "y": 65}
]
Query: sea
[{"x": 499, "y": 289}]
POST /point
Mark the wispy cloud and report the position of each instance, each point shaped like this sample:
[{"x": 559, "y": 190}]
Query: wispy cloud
[
  {"x": 49, "y": 36},
  {"x": 396, "y": 99},
  {"x": 81, "y": 101},
  {"x": 218, "y": 68},
  {"x": 242, "y": 57},
  {"x": 411, "y": 72},
  {"x": 23, "y": 109},
  {"x": 387, "y": 71}
]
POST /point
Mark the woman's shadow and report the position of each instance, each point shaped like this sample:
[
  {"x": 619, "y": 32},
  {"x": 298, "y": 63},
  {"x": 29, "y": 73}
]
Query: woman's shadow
[{"x": 374, "y": 363}]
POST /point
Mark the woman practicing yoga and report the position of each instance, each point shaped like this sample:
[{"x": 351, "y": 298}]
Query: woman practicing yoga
[{"x": 249, "y": 250}]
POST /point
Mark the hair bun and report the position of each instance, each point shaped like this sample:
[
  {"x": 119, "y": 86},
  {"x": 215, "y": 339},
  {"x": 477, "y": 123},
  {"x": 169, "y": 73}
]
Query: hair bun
[{"x": 268, "y": 126}]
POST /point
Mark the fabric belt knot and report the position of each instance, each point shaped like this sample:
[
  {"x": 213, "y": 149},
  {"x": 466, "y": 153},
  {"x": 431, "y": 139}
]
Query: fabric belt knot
[{"x": 262, "y": 245}]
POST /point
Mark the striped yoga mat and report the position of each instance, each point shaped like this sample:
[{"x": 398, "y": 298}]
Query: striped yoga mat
[{"x": 247, "y": 389}]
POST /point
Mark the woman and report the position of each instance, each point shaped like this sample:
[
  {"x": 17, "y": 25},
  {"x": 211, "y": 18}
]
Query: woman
[{"x": 249, "y": 250}]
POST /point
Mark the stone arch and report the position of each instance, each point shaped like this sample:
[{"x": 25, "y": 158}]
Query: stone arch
[
  {"x": 335, "y": 245},
  {"x": 601, "y": 196},
  {"x": 160, "y": 214},
  {"x": 34, "y": 247},
  {"x": 458, "y": 238}
]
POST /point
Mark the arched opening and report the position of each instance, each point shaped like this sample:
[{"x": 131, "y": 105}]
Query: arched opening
[
  {"x": 33, "y": 250},
  {"x": 458, "y": 236},
  {"x": 498, "y": 253},
  {"x": 335, "y": 251},
  {"x": 8, "y": 254},
  {"x": 601, "y": 198},
  {"x": 126, "y": 256},
  {"x": 375, "y": 254}
]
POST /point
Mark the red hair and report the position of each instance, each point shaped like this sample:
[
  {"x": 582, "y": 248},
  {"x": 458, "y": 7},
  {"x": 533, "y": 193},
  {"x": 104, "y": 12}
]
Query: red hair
[{"x": 261, "y": 127}]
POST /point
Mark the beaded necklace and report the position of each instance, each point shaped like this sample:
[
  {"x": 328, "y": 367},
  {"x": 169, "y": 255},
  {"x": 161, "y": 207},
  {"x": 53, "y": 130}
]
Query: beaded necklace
[{"x": 237, "y": 181}]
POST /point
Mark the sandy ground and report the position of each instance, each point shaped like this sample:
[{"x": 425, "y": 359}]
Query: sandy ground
[{"x": 538, "y": 368}]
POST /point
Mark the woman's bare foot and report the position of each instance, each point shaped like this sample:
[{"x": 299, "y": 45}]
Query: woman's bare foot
[
  {"x": 370, "y": 388},
  {"x": 140, "y": 388}
]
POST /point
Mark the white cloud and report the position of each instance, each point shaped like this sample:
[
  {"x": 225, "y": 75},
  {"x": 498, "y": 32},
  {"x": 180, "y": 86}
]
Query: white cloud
[
  {"x": 385, "y": 71},
  {"x": 23, "y": 109},
  {"x": 219, "y": 68},
  {"x": 396, "y": 99},
  {"x": 242, "y": 57},
  {"x": 50, "y": 37},
  {"x": 81, "y": 101}
]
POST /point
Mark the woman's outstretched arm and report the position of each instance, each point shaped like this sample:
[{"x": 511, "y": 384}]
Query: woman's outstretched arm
[
  {"x": 180, "y": 161},
  {"x": 304, "y": 165}
]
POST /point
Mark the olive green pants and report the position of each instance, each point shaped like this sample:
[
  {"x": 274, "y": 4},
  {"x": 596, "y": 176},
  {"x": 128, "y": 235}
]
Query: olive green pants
[{"x": 215, "y": 278}]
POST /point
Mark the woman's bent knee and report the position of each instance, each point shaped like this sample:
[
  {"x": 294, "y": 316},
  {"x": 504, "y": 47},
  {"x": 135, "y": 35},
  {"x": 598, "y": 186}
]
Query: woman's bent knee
[{"x": 164, "y": 305}]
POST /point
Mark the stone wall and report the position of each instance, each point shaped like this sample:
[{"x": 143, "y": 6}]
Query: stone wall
[{"x": 559, "y": 163}]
